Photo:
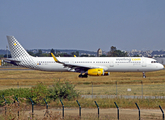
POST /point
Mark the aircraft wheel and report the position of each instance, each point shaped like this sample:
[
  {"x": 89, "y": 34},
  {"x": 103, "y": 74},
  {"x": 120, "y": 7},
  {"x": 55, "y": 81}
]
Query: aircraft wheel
[
  {"x": 80, "y": 76},
  {"x": 144, "y": 76},
  {"x": 85, "y": 76}
]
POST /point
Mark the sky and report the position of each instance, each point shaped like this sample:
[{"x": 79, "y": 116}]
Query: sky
[{"x": 84, "y": 24}]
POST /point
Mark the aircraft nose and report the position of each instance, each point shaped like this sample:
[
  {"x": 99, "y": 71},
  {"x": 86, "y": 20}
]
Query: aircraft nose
[{"x": 160, "y": 66}]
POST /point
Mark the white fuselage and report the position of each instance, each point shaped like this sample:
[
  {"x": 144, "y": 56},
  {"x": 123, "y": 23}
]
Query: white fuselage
[{"x": 109, "y": 64}]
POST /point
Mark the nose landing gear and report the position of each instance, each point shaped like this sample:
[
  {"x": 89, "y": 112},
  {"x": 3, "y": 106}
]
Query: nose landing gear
[{"x": 144, "y": 76}]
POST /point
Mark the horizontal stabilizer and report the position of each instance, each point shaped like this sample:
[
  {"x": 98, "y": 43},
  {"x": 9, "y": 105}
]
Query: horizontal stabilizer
[{"x": 11, "y": 60}]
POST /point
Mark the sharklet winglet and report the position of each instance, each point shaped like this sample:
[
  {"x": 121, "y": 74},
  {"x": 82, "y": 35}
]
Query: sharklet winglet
[{"x": 55, "y": 59}]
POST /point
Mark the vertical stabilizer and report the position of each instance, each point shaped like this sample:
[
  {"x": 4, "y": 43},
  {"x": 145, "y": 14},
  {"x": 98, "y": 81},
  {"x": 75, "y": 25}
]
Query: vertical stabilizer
[{"x": 16, "y": 49}]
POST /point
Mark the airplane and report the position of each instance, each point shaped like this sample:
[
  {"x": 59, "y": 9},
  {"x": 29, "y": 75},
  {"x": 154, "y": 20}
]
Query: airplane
[{"x": 86, "y": 66}]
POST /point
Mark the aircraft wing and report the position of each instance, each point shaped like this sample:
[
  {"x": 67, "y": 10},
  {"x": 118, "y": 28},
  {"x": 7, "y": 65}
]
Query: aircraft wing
[
  {"x": 74, "y": 67},
  {"x": 78, "y": 68}
]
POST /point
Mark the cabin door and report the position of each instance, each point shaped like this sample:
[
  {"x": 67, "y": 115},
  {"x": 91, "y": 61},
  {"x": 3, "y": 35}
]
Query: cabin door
[
  {"x": 111, "y": 64},
  {"x": 143, "y": 63}
]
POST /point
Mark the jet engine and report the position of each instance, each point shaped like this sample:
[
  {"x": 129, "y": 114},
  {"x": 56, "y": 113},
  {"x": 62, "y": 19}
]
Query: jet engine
[{"x": 97, "y": 72}]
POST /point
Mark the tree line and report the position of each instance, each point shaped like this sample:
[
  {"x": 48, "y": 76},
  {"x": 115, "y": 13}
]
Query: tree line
[
  {"x": 113, "y": 52},
  {"x": 56, "y": 53}
]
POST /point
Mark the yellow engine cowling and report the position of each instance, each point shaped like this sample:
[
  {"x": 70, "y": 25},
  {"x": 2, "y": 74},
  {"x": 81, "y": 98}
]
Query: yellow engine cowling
[{"x": 97, "y": 72}]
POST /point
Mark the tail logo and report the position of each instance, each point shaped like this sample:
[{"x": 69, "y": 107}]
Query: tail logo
[{"x": 15, "y": 44}]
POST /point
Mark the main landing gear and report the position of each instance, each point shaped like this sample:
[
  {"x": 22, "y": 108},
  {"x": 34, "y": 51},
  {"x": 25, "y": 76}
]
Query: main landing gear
[
  {"x": 144, "y": 76},
  {"x": 83, "y": 76}
]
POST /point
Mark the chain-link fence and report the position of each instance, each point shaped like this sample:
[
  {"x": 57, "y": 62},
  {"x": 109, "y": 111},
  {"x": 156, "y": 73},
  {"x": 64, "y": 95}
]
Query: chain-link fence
[{"x": 123, "y": 90}]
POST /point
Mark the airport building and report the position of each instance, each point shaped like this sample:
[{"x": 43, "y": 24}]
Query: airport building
[{"x": 99, "y": 52}]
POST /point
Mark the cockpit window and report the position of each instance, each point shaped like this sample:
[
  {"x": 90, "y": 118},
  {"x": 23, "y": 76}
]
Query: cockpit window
[{"x": 154, "y": 62}]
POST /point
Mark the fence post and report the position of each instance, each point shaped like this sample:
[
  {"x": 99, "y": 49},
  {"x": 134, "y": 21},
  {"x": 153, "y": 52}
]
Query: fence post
[
  {"x": 117, "y": 110},
  {"x": 32, "y": 106},
  {"x": 142, "y": 88},
  {"x": 79, "y": 108},
  {"x": 62, "y": 108},
  {"x": 5, "y": 103},
  {"x": 18, "y": 105},
  {"x": 97, "y": 107},
  {"x": 46, "y": 107},
  {"x": 116, "y": 89},
  {"x": 162, "y": 111},
  {"x": 138, "y": 109},
  {"x": 46, "y": 104}
]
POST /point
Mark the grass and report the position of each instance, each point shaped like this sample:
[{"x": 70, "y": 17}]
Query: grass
[
  {"x": 102, "y": 85},
  {"x": 32, "y": 77}
]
